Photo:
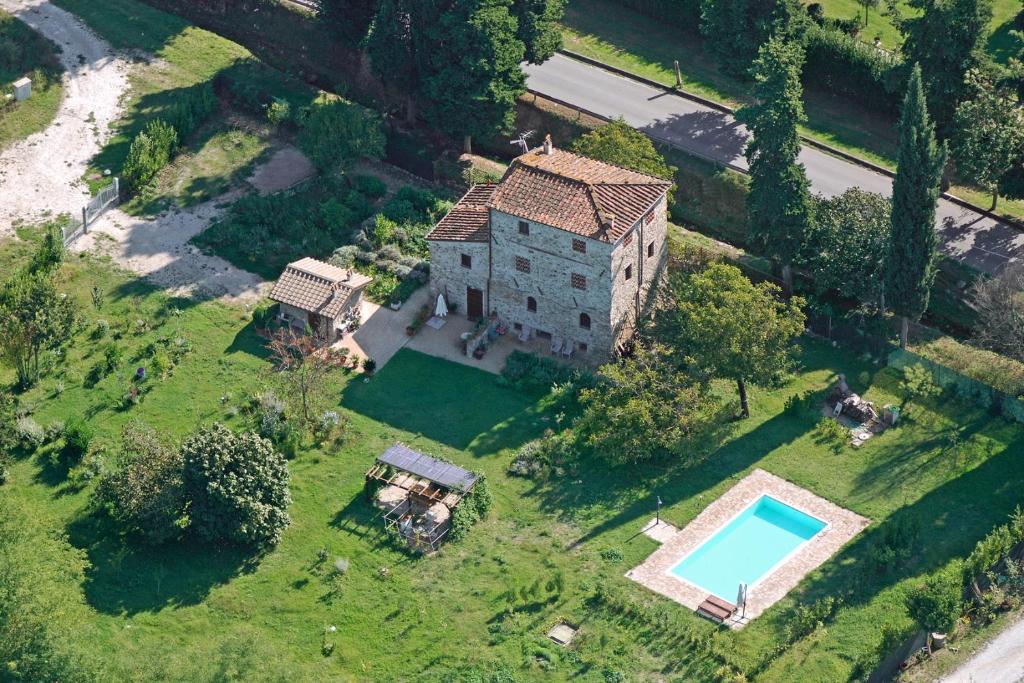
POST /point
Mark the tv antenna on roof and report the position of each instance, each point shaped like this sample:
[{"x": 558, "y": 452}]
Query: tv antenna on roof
[{"x": 522, "y": 141}]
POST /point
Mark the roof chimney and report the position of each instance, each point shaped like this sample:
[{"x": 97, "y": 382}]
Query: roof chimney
[{"x": 548, "y": 148}]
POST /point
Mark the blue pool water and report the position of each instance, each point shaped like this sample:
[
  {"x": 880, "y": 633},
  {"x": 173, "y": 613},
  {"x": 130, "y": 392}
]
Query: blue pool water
[{"x": 747, "y": 548}]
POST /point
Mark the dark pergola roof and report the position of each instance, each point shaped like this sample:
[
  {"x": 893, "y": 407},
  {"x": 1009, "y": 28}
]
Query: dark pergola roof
[{"x": 432, "y": 469}]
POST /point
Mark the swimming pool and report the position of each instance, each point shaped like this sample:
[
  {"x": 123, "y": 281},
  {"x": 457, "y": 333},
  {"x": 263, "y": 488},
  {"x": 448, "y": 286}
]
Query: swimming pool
[{"x": 747, "y": 548}]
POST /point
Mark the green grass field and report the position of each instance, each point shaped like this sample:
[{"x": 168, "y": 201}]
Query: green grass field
[
  {"x": 23, "y": 52},
  {"x": 183, "y": 612}
]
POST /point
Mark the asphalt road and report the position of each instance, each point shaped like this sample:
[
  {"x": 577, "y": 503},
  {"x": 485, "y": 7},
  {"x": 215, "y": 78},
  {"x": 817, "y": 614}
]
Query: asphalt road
[
  {"x": 1001, "y": 661},
  {"x": 967, "y": 236}
]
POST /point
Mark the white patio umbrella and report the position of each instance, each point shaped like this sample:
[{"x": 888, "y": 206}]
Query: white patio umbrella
[
  {"x": 441, "y": 310},
  {"x": 741, "y": 598}
]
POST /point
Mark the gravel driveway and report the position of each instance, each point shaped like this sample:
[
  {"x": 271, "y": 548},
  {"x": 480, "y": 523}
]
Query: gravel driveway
[{"x": 42, "y": 174}]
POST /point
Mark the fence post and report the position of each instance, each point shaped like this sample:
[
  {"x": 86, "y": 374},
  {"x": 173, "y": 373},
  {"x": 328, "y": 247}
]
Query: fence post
[
  {"x": 117, "y": 188},
  {"x": 85, "y": 219}
]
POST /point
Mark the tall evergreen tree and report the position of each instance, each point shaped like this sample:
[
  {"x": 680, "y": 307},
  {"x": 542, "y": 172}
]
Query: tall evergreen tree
[
  {"x": 475, "y": 76},
  {"x": 946, "y": 39},
  {"x": 736, "y": 29},
  {"x": 910, "y": 265},
  {"x": 538, "y": 27},
  {"x": 779, "y": 204},
  {"x": 350, "y": 19},
  {"x": 392, "y": 50}
]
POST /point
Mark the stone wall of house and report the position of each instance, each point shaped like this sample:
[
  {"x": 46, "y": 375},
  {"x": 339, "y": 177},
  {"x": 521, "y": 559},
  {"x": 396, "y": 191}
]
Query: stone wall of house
[
  {"x": 552, "y": 263},
  {"x": 632, "y": 297},
  {"x": 450, "y": 277},
  {"x": 292, "y": 314}
]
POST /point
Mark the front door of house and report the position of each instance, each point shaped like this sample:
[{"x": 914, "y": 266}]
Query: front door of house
[{"x": 474, "y": 303}]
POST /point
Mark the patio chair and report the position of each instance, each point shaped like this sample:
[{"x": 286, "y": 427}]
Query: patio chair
[
  {"x": 556, "y": 345},
  {"x": 526, "y": 333},
  {"x": 567, "y": 348}
]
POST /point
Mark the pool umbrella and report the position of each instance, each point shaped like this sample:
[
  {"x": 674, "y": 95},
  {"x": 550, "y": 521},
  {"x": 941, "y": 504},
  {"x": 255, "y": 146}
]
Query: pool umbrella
[
  {"x": 741, "y": 598},
  {"x": 441, "y": 310}
]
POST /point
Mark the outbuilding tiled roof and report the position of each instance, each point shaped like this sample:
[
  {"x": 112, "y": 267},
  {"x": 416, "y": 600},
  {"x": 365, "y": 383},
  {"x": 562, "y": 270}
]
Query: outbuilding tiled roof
[
  {"x": 317, "y": 287},
  {"x": 469, "y": 219},
  {"x": 577, "y": 194}
]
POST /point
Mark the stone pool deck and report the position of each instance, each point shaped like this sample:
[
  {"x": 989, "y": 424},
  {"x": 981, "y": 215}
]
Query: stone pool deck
[{"x": 842, "y": 525}]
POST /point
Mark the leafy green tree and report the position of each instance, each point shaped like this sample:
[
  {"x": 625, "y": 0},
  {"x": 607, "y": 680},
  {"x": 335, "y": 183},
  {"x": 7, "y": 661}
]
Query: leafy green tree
[
  {"x": 947, "y": 39},
  {"x": 937, "y": 603},
  {"x": 350, "y": 19},
  {"x": 779, "y": 205},
  {"x": 645, "y": 408},
  {"x": 917, "y": 383},
  {"x": 724, "y": 326},
  {"x": 616, "y": 142},
  {"x": 145, "y": 493},
  {"x": 735, "y": 30},
  {"x": 848, "y": 243},
  {"x": 999, "y": 303},
  {"x": 51, "y": 251},
  {"x": 475, "y": 77},
  {"x": 236, "y": 486},
  {"x": 335, "y": 133},
  {"x": 9, "y": 438},
  {"x": 392, "y": 47},
  {"x": 36, "y": 609},
  {"x": 34, "y": 318},
  {"x": 989, "y": 138},
  {"x": 539, "y": 28},
  {"x": 910, "y": 263}
]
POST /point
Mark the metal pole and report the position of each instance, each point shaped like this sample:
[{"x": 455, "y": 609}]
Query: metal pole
[
  {"x": 658, "y": 517},
  {"x": 85, "y": 219}
]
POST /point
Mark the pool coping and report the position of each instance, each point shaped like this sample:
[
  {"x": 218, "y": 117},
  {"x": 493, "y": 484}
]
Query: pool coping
[{"x": 841, "y": 525}]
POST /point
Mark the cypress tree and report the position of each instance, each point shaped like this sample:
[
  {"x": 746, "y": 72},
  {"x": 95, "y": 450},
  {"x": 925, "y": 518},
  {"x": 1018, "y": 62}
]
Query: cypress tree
[
  {"x": 475, "y": 75},
  {"x": 910, "y": 265},
  {"x": 779, "y": 204}
]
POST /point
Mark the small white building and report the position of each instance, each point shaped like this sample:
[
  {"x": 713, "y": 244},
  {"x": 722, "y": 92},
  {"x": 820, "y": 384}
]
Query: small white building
[
  {"x": 22, "y": 89},
  {"x": 319, "y": 296}
]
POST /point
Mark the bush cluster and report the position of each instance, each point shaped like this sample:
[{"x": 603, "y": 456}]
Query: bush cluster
[
  {"x": 840, "y": 64},
  {"x": 156, "y": 144},
  {"x": 532, "y": 372},
  {"x": 472, "y": 509}
]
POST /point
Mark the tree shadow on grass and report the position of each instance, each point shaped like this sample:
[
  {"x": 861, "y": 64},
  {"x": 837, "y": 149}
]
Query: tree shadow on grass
[
  {"x": 128, "y": 577},
  {"x": 459, "y": 406},
  {"x": 953, "y": 518}
]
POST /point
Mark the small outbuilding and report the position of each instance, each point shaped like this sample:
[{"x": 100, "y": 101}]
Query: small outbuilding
[
  {"x": 325, "y": 298},
  {"x": 22, "y": 89},
  {"x": 417, "y": 494}
]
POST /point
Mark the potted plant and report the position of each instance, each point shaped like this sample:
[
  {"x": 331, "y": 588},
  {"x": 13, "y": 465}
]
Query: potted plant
[{"x": 369, "y": 365}]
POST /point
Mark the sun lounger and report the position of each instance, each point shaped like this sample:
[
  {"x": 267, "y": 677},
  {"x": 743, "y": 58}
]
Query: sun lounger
[
  {"x": 556, "y": 345},
  {"x": 567, "y": 349}
]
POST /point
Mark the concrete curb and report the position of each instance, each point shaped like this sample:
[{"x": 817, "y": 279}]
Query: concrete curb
[{"x": 828, "y": 149}]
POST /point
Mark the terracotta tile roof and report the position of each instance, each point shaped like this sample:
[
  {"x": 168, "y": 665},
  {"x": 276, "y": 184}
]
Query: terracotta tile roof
[
  {"x": 317, "y": 287},
  {"x": 577, "y": 194},
  {"x": 469, "y": 219}
]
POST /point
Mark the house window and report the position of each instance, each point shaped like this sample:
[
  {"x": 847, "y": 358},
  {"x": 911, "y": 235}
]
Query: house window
[
  {"x": 467, "y": 262},
  {"x": 584, "y": 321},
  {"x": 522, "y": 264},
  {"x": 578, "y": 281},
  {"x": 543, "y": 334},
  {"x": 580, "y": 246},
  {"x": 629, "y": 272},
  {"x": 650, "y": 250},
  {"x": 582, "y": 347},
  {"x": 531, "y": 304},
  {"x": 628, "y": 241},
  {"x": 524, "y": 228}
]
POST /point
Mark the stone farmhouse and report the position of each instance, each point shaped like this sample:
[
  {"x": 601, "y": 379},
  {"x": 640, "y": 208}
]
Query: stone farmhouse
[
  {"x": 563, "y": 247},
  {"x": 317, "y": 295}
]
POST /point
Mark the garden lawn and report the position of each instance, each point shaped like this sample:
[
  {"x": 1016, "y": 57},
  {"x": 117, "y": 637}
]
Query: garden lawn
[
  {"x": 183, "y": 612},
  {"x": 23, "y": 52}
]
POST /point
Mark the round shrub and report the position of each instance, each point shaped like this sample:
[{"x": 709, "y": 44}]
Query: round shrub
[
  {"x": 78, "y": 434},
  {"x": 237, "y": 487},
  {"x": 369, "y": 185}
]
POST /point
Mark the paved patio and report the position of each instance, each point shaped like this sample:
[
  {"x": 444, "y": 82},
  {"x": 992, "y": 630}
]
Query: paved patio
[
  {"x": 654, "y": 572},
  {"x": 382, "y": 332},
  {"x": 447, "y": 343}
]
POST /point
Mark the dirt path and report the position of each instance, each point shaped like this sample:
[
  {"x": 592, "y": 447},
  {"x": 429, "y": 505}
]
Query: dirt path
[
  {"x": 158, "y": 249},
  {"x": 42, "y": 174},
  {"x": 1001, "y": 661}
]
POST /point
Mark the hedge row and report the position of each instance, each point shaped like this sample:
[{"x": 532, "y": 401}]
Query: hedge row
[
  {"x": 836, "y": 62},
  {"x": 841, "y": 64}
]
